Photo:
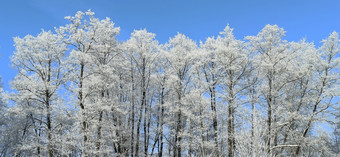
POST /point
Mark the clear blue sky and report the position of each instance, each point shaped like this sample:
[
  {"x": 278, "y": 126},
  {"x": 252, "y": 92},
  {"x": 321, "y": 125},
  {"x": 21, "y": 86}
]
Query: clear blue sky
[{"x": 197, "y": 19}]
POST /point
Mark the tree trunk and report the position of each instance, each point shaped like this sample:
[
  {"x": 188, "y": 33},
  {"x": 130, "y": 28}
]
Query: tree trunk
[
  {"x": 254, "y": 146},
  {"x": 178, "y": 138},
  {"x": 213, "y": 108},
  {"x": 142, "y": 106},
  {"x": 201, "y": 132},
  {"x": 162, "y": 121},
  {"x": 138, "y": 129},
  {"x": 231, "y": 137},
  {"x": 49, "y": 128},
  {"x": 48, "y": 108},
  {"x": 82, "y": 107},
  {"x": 99, "y": 134},
  {"x": 269, "y": 122},
  {"x": 253, "y": 141},
  {"x": 269, "y": 114},
  {"x": 148, "y": 127},
  {"x": 145, "y": 129},
  {"x": 132, "y": 110},
  {"x": 178, "y": 135}
]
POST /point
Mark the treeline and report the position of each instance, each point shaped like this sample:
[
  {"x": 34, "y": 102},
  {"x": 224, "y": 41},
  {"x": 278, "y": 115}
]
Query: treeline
[{"x": 81, "y": 92}]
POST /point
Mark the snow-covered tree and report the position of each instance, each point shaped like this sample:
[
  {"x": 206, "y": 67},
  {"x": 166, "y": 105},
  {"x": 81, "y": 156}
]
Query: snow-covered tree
[
  {"x": 38, "y": 61},
  {"x": 81, "y": 92},
  {"x": 272, "y": 61},
  {"x": 161, "y": 78},
  {"x": 7, "y": 141},
  {"x": 323, "y": 92},
  {"x": 142, "y": 49},
  {"x": 180, "y": 56},
  {"x": 92, "y": 71},
  {"x": 224, "y": 66}
]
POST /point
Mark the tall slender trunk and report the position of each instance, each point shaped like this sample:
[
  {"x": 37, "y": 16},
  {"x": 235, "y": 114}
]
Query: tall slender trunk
[
  {"x": 49, "y": 126},
  {"x": 142, "y": 106},
  {"x": 99, "y": 134},
  {"x": 132, "y": 109},
  {"x": 48, "y": 108},
  {"x": 201, "y": 132},
  {"x": 138, "y": 129},
  {"x": 275, "y": 138},
  {"x": 213, "y": 108},
  {"x": 82, "y": 107},
  {"x": 145, "y": 130},
  {"x": 38, "y": 148},
  {"x": 148, "y": 127},
  {"x": 253, "y": 141},
  {"x": 231, "y": 136},
  {"x": 162, "y": 121},
  {"x": 178, "y": 135},
  {"x": 254, "y": 146},
  {"x": 269, "y": 114},
  {"x": 269, "y": 122}
]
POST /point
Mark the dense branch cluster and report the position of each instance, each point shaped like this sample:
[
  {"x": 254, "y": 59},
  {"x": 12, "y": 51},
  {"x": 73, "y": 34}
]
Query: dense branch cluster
[{"x": 81, "y": 92}]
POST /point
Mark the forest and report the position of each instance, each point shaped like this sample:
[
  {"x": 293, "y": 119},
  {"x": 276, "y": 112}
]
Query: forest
[{"x": 79, "y": 91}]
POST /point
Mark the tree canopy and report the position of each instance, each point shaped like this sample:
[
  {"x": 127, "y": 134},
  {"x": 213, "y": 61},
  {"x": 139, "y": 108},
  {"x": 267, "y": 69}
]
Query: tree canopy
[{"x": 81, "y": 92}]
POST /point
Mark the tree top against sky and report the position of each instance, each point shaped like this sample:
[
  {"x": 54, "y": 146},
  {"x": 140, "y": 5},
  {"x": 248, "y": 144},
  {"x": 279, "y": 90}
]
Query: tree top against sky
[{"x": 198, "y": 20}]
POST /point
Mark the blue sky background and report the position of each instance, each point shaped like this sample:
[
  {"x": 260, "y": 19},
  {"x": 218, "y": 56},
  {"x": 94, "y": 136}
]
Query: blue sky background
[{"x": 198, "y": 19}]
